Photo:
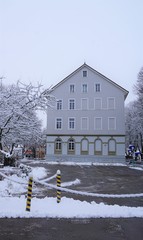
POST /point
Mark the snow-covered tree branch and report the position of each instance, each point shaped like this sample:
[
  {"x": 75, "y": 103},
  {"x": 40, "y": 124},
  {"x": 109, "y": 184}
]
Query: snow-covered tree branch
[
  {"x": 18, "y": 120},
  {"x": 134, "y": 115}
]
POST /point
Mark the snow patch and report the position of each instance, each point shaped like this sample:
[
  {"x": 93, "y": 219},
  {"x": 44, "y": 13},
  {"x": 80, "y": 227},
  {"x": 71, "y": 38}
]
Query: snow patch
[{"x": 68, "y": 208}]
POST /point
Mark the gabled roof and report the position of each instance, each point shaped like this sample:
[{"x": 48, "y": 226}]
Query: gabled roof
[{"x": 93, "y": 70}]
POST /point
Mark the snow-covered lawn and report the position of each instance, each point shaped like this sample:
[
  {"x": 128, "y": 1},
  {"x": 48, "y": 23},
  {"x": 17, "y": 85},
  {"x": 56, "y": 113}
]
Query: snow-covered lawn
[
  {"x": 13, "y": 206},
  {"x": 67, "y": 208}
]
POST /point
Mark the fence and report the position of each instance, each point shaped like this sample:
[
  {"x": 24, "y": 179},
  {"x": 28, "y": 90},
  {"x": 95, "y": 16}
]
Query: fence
[{"x": 59, "y": 189}]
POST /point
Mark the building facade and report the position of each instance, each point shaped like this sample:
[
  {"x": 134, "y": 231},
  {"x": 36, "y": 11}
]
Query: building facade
[{"x": 88, "y": 118}]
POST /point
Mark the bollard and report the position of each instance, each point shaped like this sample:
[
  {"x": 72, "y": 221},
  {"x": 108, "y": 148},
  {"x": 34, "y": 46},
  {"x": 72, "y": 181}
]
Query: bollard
[
  {"x": 58, "y": 185},
  {"x": 29, "y": 194}
]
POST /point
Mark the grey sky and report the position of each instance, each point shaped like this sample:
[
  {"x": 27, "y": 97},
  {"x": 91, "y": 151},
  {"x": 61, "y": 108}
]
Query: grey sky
[{"x": 45, "y": 40}]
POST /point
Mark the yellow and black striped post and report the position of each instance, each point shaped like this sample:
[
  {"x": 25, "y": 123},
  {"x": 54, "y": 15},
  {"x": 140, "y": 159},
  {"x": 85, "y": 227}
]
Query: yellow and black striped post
[
  {"x": 29, "y": 193},
  {"x": 58, "y": 185}
]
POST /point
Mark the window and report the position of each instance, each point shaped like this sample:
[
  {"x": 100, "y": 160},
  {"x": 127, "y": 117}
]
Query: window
[
  {"x": 72, "y": 88},
  {"x": 84, "y": 73},
  {"x": 98, "y": 123},
  {"x": 71, "y": 145},
  {"x": 58, "y": 123},
  {"x": 58, "y": 145},
  {"x": 71, "y": 104},
  {"x": 84, "y": 123},
  {"x": 111, "y": 103},
  {"x": 71, "y": 123},
  {"x": 111, "y": 123},
  {"x": 98, "y": 103},
  {"x": 84, "y": 88},
  {"x": 59, "y": 104},
  {"x": 97, "y": 87}
]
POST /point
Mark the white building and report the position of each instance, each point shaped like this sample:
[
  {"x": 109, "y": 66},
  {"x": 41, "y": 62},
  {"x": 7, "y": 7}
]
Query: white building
[{"x": 88, "y": 119}]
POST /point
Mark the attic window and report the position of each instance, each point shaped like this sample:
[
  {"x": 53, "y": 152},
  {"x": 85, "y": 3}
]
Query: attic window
[
  {"x": 84, "y": 73},
  {"x": 97, "y": 87}
]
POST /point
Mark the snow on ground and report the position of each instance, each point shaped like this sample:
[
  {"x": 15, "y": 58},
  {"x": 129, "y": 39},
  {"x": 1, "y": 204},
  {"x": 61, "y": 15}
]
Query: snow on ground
[
  {"x": 17, "y": 183},
  {"x": 13, "y": 206},
  {"x": 67, "y": 184},
  {"x": 137, "y": 168},
  {"x": 140, "y": 167},
  {"x": 8, "y": 187},
  {"x": 39, "y": 172},
  {"x": 72, "y": 163}
]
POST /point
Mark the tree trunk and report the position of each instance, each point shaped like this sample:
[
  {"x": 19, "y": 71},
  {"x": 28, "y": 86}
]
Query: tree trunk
[{"x": 9, "y": 161}]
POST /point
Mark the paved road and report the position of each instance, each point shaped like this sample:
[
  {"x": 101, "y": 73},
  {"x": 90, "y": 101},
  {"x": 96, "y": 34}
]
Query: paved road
[
  {"x": 93, "y": 179},
  {"x": 100, "y": 179},
  {"x": 71, "y": 229}
]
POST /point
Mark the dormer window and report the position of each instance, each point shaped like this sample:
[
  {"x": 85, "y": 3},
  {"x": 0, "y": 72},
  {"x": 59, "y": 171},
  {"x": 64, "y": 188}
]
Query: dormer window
[{"x": 84, "y": 73}]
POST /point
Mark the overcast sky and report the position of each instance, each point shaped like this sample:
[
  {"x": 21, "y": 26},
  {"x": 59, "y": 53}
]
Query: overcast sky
[{"x": 45, "y": 40}]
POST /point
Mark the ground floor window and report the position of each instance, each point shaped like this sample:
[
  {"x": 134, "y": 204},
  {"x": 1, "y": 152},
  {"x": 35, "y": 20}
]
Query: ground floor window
[
  {"x": 86, "y": 146},
  {"x": 71, "y": 146},
  {"x": 58, "y": 146}
]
